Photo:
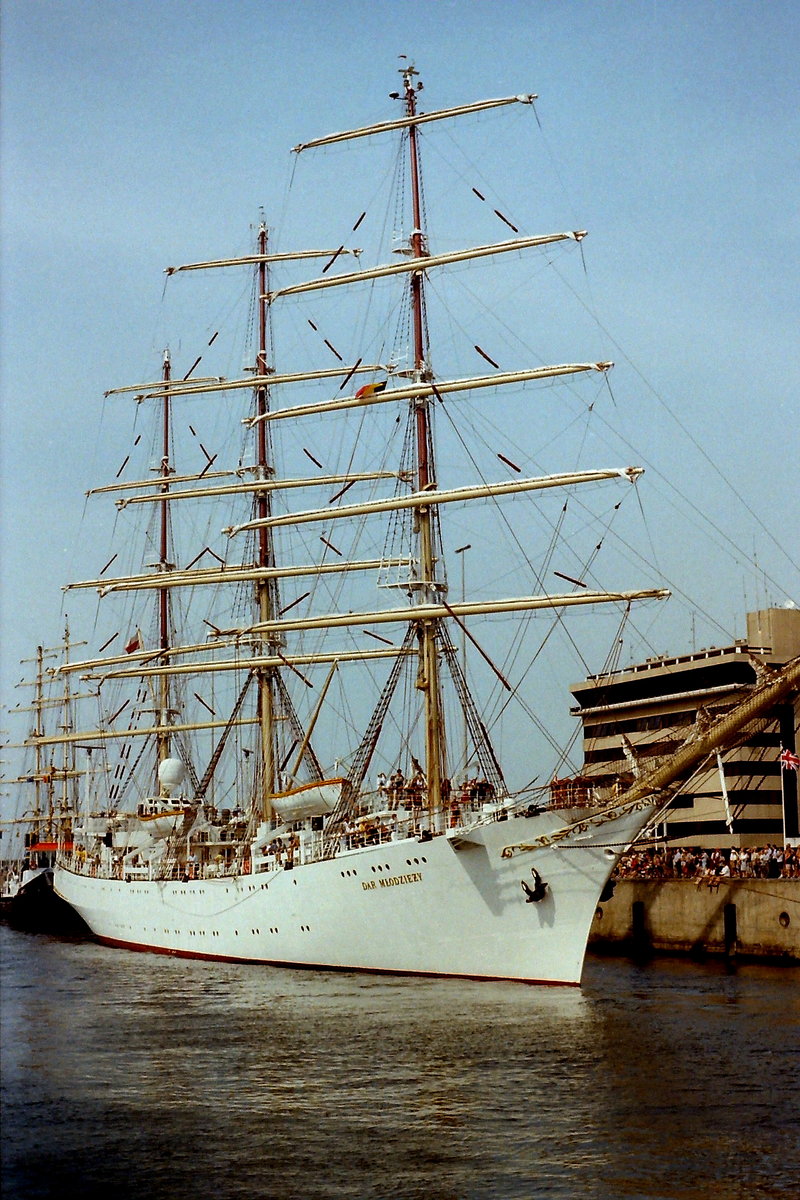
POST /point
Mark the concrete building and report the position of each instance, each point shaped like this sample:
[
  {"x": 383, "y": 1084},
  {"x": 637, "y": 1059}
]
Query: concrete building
[{"x": 642, "y": 713}]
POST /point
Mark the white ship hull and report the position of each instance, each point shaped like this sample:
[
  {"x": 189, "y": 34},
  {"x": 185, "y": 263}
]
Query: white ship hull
[{"x": 451, "y": 906}]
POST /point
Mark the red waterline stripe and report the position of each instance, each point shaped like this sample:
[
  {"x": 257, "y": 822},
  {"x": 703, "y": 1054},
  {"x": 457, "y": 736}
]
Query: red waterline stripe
[{"x": 303, "y": 966}]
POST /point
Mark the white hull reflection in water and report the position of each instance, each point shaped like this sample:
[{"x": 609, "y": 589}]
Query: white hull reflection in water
[{"x": 129, "y": 1075}]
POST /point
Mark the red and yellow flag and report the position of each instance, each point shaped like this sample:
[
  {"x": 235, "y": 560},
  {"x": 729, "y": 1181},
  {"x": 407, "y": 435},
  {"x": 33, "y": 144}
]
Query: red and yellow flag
[{"x": 370, "y": 389}]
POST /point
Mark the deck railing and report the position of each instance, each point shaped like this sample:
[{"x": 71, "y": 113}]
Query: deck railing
[{"x": 287, "y": 851}]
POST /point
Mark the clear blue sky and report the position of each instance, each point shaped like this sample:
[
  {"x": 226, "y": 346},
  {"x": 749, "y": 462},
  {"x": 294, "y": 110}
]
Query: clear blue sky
[{"x": 138, "y": 133}]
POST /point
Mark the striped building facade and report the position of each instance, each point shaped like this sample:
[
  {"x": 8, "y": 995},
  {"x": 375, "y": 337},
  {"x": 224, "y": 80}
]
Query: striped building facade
[{"x": 637, "y": 715}]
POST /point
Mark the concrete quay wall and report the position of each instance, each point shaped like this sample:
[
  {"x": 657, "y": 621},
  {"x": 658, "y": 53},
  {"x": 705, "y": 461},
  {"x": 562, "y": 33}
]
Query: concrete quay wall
[{"x": 758, "y": 918}]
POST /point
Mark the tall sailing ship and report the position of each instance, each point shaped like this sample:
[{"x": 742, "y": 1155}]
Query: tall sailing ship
[
  {"x": 49, "y": 793},
  {"x": 211, "y": 823}
]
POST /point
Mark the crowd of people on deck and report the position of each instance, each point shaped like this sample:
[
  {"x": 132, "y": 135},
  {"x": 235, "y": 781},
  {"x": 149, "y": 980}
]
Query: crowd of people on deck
[
  {"x": 399, "y": 792},
  {"x": 694, "y": 862}
]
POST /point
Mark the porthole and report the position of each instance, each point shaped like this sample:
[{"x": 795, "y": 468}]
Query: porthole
[
  {"x": 783, "y": 920},
  {"x": 598, "y": 913}
]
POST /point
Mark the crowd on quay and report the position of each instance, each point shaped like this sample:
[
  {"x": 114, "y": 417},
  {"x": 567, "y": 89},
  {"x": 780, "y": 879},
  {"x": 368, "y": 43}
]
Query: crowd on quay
[{"x": 694, "y": 862}]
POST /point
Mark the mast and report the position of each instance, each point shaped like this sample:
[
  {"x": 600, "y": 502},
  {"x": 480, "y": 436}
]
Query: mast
[
  {"x": 264, "y": 555},
  {"x": 39, "y": 776},
  {"x": 163, "y": 737},
  {"x": 69, "y": 768},
  {"x": 428, "y": 672},
  {"x": 50, "y": 814}
]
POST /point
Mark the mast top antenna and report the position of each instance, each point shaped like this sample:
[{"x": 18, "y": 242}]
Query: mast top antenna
[{"x": 408, "y": 72}]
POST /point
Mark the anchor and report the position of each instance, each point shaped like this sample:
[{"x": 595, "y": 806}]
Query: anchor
[{"x": 536, "y": 893}]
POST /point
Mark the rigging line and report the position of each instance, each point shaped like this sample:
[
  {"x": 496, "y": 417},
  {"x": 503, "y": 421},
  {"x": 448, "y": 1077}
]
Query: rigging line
[
  {"x": 363, "y": 323},
  {"x": 340, "y": 584},
  {"x": 183, "y": 744},
  {"x": 610, "y": 665},
  {"x": 535, "y": 720},
  {"x": 553, "y": 161},
  {"x": 630, "y": 549},
  {"x": 500, "y": 513},
  {"x": 559, "y": 619},
  {"x": 130, "y": 772},
  {"x": 447, "y": 133},
  {"x": 521, "y": 626},
  {"x": 549, "y": 553},
  {"x": 565, "y": 754},
  {"x": 392, "y": 170},
  {"x": 288, "y": 189},
  {"x": 459, "y": 273},
  {"x": 610, "y": 392},
  {"x": 683, "y": 428},
  {"x": 478, "y": 303},
  {"x": 675, "y": 588},
  {"x": 403, "y": 727},
  {"x": 502, "y": 435},
  {"x": 646, "y": 525},
  {"x": 337, "y": 702},
  {"x": 587, "y": 415},
  {"x": 612, "y": 658},
  {"x": 606, "y": 531},
  {"x": 481, "y": 743}
]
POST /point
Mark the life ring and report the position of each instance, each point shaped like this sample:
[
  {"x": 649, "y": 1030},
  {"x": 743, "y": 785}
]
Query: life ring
[{"x": 246, "y": 867}]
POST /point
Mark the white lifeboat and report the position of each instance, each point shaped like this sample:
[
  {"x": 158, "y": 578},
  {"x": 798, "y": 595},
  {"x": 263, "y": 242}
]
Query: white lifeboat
[
  {"x": 308, "y": 800},
  {"x": 160, "y": 815}
]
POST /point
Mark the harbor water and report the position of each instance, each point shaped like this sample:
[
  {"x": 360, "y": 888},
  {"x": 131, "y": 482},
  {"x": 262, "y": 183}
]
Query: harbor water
[{"x": 130, "y": 1074}]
